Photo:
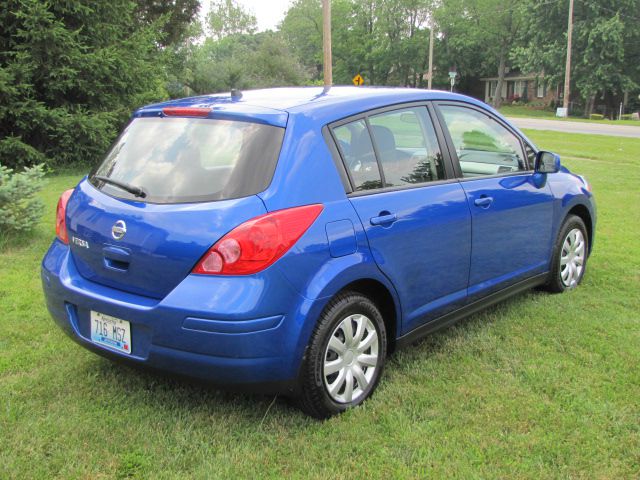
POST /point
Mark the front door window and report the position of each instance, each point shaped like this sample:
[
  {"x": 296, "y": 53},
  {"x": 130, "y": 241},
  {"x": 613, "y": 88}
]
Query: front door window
[{"x": 483, "y": 146}]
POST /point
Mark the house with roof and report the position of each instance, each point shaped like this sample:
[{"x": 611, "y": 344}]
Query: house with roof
[{"x": 523, "y": 87}]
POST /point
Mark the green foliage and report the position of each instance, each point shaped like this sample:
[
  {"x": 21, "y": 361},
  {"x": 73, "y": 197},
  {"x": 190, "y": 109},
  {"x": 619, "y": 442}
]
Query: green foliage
[
  {"x": 241, "y": 61},
  {"x": 15, "y": 152},
  {"x": 20, "y": 209},
  {"x": 70, "y": 74},
  {"x": 302, "y": 30},
  {"x": 232, "y": 55},
  {"x": 538, "y": 387},
  {"x": 175, "y": 17},
  {"x": 132, "y": 465},
  {"x": 386, "y": 42},
  {"x": 605, "y": 51},
  {"x": 227, "y": 17}
]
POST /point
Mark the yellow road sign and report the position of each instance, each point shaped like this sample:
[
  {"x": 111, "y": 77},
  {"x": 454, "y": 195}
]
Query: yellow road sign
[{"x": 358, "y": 80}]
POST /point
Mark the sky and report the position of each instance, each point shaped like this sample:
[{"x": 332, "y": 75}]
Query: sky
[{"x": 268, "y": 12}]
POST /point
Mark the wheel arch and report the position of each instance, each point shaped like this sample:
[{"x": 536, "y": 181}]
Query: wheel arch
[
  {"x": 384, "y": 300},
  {"x": 583, "y": 213}
]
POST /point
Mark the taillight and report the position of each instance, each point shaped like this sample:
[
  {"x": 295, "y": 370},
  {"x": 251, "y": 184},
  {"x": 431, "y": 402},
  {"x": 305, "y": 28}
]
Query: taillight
[
  {"x": 61, "y": 211},
  {"x": 186, "y": 111},
  {"x": 257, "y": 243}
]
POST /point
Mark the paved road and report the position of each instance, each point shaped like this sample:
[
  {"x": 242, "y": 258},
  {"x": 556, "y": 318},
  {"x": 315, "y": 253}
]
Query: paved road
[{"x": 577, "y": 127}]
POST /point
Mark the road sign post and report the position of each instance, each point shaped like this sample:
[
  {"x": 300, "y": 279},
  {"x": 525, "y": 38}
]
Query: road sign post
[{"x": 452, "y": 78}]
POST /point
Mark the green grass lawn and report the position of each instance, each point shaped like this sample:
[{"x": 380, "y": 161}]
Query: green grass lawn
[
  {"x": 528, "y": 112},
  {"x": 540, "y": 386}
]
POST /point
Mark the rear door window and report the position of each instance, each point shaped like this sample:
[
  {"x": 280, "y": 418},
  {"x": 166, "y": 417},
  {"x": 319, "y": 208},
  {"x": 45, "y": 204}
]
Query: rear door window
[
  {"x": 407, "y": 146},
  {"x": 356, "y": 148},
  {"x": 176, "y": 160}
]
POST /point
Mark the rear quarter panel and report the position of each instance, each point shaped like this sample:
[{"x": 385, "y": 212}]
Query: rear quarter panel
[{"x": 306, "y": 174}]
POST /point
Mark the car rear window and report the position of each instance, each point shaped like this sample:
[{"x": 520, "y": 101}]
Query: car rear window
[{"x": 177, "y": 160}]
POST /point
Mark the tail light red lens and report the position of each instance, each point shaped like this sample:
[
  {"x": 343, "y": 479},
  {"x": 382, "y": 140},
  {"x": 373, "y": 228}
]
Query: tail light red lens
[
  {"x": 257, "y": 243},
  {"x": 61, "y": 212}
]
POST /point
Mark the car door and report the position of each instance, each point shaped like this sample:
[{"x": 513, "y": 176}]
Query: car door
[
  {"x": 511, "y": 213},
  {"x": 414, "y": 212}
]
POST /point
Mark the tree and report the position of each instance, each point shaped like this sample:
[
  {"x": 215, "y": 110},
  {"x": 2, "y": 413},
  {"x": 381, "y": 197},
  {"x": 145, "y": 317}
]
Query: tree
[
  {"x": 385, "y": 41},
  {"x": 70, "y": 74},
  {"x": 606, "y": 38},
  {"x": 175, "y": 16},
  {"x": 302, "y": 30},
  {"x": 242, "y": 61},
  {"x": 226, "y": 18},
  {"x": 480, "y": 35}
]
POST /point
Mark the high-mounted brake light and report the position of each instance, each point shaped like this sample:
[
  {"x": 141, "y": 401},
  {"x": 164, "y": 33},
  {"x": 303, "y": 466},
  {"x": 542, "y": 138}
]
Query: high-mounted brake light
[
  {"x": 186, "y": 111},
  {"x": 257, "y": 243},
  {"x": 61, "y": 212}
]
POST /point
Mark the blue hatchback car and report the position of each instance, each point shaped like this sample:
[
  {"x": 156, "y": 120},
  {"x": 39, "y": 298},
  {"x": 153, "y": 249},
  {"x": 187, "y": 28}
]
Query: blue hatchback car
[{"x": 287, "y": 240}]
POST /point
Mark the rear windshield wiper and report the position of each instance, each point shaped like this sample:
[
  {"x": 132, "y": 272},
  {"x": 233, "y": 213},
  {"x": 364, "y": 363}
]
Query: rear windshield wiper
[{"x": 136, "y": 191}]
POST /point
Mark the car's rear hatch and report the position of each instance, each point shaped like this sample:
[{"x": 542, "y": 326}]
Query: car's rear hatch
[{"x": 168, "y": 189}]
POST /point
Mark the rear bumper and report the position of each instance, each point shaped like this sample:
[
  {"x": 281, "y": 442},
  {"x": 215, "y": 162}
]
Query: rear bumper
[{"x": 242, "y": 332}]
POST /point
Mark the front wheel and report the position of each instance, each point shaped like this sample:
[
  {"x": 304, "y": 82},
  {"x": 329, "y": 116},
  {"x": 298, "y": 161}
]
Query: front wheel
[
  {"x": 345, "y": 357},
  {"x": 570, "y": 256}
]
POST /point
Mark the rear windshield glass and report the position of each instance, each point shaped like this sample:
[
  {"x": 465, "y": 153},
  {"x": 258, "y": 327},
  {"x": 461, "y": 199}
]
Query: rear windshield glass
[{"x": 176, "y": 160}]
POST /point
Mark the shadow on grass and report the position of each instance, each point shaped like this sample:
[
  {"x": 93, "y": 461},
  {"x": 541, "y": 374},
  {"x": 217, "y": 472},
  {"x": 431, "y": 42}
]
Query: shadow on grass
[
  {"x": 440, "y": 340},
  {"x": 168, "y": 393}
]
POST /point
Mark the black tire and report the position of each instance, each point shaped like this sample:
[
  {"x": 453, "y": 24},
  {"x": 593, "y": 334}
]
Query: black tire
[
  {"x": 555, "y": 283},
  {"x": 315, "y": 398}
]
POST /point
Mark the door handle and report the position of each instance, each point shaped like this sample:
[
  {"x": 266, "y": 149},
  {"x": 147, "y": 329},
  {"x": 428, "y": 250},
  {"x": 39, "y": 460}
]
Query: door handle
[
  {"x": 483, "y": 201},
  {"x": 386, "y": 219}
]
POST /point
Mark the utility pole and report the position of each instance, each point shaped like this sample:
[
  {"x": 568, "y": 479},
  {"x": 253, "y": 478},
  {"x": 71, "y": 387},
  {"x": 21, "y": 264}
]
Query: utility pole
[
  {"x": 326, "y": 43},
  {"x": 430, "y": 79},
  {"x": 567, "y": 70}
]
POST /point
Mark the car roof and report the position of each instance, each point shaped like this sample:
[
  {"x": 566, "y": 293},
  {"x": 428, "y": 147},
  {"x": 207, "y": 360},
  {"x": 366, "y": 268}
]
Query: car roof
[{"x": 273, "y": 105}]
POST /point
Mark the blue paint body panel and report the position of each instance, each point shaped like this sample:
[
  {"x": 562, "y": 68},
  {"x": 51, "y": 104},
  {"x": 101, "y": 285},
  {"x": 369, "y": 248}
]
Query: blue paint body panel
[
  {"x": 512, "y": 238},
  {"x": 425, "y": 252},
  {"x": 441, "y": 253}
]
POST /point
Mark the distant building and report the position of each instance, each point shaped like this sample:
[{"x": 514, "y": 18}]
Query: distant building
[{"x": 520, "y": 87}]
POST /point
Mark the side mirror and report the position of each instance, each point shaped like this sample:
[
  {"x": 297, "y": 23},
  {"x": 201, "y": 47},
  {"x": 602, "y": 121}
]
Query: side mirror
[{"x": 547, "y": 162}]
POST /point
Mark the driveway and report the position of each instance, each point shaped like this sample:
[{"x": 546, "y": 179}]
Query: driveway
[{"x": 577, "y": 127}]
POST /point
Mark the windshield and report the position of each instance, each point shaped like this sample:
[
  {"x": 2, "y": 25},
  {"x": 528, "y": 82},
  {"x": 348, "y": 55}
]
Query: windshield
[{"x": 175, "y": 160}]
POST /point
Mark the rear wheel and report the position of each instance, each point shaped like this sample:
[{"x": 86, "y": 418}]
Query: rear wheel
[
  {"x": 570, "y": 255},
  {"x": 345, "y": 357}
]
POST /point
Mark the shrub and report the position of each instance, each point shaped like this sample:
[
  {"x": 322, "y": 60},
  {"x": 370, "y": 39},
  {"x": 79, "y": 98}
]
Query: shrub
[
  {"x": 16, "y": 153},
  {"x": 596, "y": 116},
  {"x": 537, "y": 104},
  {"x": 70, "y": 73},
  {"x": 20, "y": 210}
]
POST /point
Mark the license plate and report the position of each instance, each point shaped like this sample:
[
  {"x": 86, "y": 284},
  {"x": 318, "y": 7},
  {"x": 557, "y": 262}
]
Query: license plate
[{"x": 111, "y": 332}]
